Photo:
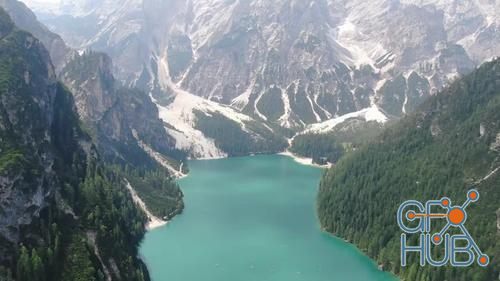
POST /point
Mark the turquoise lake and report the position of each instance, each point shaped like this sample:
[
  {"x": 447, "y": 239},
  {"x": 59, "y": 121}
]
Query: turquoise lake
[{"x": 252, "y": 219}]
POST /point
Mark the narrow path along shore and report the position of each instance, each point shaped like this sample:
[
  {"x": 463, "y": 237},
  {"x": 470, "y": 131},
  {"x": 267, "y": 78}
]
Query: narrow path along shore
[
  {"x": 159, "y": 158},
  {"x": 304, "y": 160},
  {"x": 153, "y": 221},
  {"x": 299, "y": 159}
]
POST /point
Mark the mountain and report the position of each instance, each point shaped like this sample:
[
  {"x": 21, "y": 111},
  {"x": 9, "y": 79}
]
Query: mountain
[
  {"x": 124, "y": 121},
  {"x": 25, "y": 19},
  {"x": 448, "y": 145},
  {"x": 64, "y": 215},
  {"x": 291, "y": 63},
  {"x": 127, "y": 131},
  {"x": 328, "y": 142},
  {"x": 129, "y": 124}
]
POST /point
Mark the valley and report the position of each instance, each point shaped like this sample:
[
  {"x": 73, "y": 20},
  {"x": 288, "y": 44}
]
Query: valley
[{"x": 241, "y": 140}]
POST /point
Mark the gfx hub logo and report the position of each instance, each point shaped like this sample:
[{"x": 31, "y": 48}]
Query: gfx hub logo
[{"x": 420, "y": 218}]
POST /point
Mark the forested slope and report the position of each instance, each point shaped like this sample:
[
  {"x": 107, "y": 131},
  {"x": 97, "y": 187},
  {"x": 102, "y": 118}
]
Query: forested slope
[
  {"x": 450, "y": 144},
  {"x": 127, "y": 131},
  {"x": 333, "y": 145},
  {"x": 63, "y": 214}
]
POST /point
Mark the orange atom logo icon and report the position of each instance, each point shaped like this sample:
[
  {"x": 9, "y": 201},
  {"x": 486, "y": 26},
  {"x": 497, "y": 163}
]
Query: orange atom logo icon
[{"x": 455, "y": 216}]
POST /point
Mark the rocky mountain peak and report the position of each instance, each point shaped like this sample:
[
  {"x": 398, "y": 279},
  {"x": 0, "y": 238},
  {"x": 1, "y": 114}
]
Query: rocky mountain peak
[
  {"x": 25, "y": 19},
  {"x": 91, "y": 79},
  {"x": 309, "y": 60}
]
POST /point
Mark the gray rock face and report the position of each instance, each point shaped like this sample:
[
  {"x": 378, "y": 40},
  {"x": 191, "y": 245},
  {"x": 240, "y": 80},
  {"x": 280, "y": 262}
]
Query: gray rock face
[
  {"x": 25, "y": 19},
  {"x": 120, "y": 118},
  {"x": 91, "y": 81},
  {"x": 27, "y": 109},
  {"x": 99, "y": 98},
  {"x": 307, "y": 60}
]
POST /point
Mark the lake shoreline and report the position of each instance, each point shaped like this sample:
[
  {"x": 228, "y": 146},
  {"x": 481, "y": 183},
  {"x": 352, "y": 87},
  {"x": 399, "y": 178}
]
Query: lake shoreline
[
  {"x": 359, "y": 250},
  {"x": 270, "y": 176},
  {"x": 153, "y": 221},
  {"x": 304, "y": 160}
]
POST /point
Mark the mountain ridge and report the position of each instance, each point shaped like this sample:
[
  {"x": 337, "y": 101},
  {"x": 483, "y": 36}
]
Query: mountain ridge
[
  {"x": 311, "y": 61},
  {"x": 25, "y": 19}
]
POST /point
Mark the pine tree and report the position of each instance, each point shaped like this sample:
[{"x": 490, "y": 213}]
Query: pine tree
[{"x": 24, "y": 271}]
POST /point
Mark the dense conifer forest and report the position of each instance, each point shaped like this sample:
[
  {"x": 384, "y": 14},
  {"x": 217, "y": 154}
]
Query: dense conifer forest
[{"x": 450, "y": 144}]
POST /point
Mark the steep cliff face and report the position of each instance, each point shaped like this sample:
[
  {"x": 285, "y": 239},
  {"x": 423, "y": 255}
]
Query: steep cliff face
[
  {"x": 90, "y": 79},
  {"x": 25, "y": 19},
  {"x": 95, "y": 91},
  {"x": 289, "y": 62},
  {"x": 63, "y": 214},
  {"x": 124, "y": 121},
  {"x": 28, "y": 93}
]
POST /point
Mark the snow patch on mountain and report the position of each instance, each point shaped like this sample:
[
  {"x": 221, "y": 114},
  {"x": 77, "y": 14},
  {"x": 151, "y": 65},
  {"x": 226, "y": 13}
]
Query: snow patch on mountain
[
  {"x": 181, "y": 118},
  {"x": 368, "y": 114},
  {"x": 285, "y": 119},
  {"x": 256, "y": 109},
  {"x": 328, "y": 114},
  {"x": 318, "y": 118},
  {"x": 179, "y": 114},
  {"x": 326, "y": 45},
  {"x": 242, "y": 100}
]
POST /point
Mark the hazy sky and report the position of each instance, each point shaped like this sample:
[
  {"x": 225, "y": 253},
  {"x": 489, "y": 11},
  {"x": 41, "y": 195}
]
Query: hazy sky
[
  {"x": 40, "y": 2},
  {"x": 41, "y": 5}
]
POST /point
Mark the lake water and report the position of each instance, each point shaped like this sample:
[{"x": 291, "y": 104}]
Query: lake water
[{"x": 252, "y": 219}]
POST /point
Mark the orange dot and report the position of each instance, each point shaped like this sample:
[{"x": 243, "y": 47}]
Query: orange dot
[
  {"x": 445, "y": 202},
  {"x": 436, "y": 238},
  {"x": 411, "y": 215},
  {"x": 483, "y": 260},
  {"x": 473, "y": 195},
  {"x": 456, "y": 216}
]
